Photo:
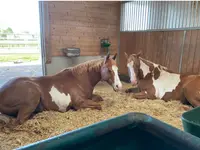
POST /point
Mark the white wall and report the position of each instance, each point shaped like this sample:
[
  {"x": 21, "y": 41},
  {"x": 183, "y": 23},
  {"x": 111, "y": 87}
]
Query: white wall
[{"x": 59, "y": 63}]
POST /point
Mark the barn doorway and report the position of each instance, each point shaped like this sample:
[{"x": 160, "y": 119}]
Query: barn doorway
[{"x": 20, "y": 50}]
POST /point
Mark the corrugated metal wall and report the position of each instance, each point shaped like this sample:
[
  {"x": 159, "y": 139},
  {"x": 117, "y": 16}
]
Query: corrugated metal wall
[{"x": 159, "y": 15}]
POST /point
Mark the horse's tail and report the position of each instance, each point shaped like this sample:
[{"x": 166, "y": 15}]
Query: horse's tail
[
  {"x": 4, "y": 118},
  {"x": 3, "y": 111}
]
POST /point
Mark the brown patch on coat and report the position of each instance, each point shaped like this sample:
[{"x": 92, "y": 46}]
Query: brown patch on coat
[
  {"x": 24, "y": 96},
  {"x": 156, "y": 73},
  {"x": 186, "y": 91}
]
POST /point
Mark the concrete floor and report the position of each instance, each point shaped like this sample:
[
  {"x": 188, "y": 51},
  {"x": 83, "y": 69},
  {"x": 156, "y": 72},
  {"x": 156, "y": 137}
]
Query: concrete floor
[{"x": 10, "y": 70}]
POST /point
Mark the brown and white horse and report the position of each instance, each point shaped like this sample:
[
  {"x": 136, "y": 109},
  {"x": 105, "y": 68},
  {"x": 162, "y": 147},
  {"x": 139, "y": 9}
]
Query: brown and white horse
[
  {"x": 72, "y": 88},
  {"x": 156, "y": 81}
]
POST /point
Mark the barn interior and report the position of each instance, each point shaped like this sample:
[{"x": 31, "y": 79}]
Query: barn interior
[{"x": 166, "y": 32}]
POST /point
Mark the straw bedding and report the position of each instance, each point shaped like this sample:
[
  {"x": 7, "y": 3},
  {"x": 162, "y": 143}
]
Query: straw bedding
[{"x": 47, "y": 124}]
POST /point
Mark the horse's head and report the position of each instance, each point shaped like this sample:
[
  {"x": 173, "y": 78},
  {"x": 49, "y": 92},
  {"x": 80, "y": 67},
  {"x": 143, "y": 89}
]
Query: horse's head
[
  {"x": 133, "y": 64},
  {"x": 109, "y": 72}
]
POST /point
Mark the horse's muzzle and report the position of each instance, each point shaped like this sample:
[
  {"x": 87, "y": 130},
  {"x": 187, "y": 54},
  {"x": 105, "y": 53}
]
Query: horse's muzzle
[
  {"x": 134, "y": 82},
  {"x": 117, "y": 88}
]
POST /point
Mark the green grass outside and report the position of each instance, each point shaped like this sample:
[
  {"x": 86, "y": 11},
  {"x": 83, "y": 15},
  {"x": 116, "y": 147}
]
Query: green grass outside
[{"x": 23, "y": 57}]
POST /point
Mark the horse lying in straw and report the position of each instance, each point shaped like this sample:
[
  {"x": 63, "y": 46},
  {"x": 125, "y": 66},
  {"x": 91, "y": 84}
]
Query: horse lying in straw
[
  {"x": 72, "y": 88},
  {"x": 155, "y": 81}
]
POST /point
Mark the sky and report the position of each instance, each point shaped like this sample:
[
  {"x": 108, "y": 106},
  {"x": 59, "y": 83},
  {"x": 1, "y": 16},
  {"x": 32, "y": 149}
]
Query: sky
[{"x": 20, "y": 15}]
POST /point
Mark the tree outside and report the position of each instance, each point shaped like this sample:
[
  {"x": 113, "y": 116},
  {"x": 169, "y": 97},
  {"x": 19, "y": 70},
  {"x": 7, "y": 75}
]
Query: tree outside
[{"x": 4, "y": 32}]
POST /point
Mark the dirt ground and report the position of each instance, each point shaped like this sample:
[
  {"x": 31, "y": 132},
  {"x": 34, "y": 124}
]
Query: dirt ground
[{"x": 48, "y": 124}]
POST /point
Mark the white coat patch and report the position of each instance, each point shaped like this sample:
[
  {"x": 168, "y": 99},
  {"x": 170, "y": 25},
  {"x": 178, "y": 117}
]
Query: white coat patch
[
  {"x": 131, "y": 71},
  {"x": 166, "y": 82},
  {"x": 61, "y": 99},
  {"x": 117, "y": 81},
  {"x": 144, "y": 68}
]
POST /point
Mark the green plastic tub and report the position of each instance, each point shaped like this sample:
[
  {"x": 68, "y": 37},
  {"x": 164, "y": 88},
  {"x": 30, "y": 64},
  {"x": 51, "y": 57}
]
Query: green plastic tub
[
  {"x": 132, "y": 131},
  {"x": 191, "y": 121}
]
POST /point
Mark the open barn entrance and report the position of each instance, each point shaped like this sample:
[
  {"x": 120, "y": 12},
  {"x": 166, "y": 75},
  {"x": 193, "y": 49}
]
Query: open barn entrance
[{"x": 20, "y": 50}]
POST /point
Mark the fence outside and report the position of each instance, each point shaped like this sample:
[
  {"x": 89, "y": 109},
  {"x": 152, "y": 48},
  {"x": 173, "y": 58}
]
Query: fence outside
[{"x": 19, "y": 43}]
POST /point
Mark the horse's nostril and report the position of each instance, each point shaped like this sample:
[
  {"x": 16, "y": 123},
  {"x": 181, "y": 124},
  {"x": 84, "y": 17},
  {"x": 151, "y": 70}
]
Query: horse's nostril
[{"x": 117, "y": 86}]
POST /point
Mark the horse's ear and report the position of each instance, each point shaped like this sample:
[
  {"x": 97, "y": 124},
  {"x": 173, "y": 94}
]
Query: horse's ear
[
  {"x": 139, "y": 54},
  {"x": 126, "y": 55},
  {"x": 114, "y": 57},
  {"x": 106, "y": 58}
]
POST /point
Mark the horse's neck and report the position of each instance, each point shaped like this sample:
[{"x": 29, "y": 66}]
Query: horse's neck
[
  {"x": 94, "y": 75},
  {"x": 145, "y": 67},
  {"x": 151, "y": 70},
  {"x": 89, "y": 74}
]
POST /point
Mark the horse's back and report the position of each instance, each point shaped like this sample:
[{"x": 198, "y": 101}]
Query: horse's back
[
  {"x": 14, "y": 82},
  {"x": 190, "y": 79},
  {"x": 17, "y": 89},
  {"x": 193, "y": 81}
]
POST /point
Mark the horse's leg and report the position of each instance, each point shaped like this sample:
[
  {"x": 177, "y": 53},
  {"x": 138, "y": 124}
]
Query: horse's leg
[
  {"x": 96, "y": 98},
  {"x": 194, "y": 101},
  {"x": 141, "y": 95},
  {"x": 183, "y": 99},
  {"x": 191, "y": 92},
  {"x": 28, "y": 108},
  {"x": 132, "y": 90},
  {"x": 85, "y": 103},
  {"x": 90, "y": 104},
  {"x": 192, "y": 95}
]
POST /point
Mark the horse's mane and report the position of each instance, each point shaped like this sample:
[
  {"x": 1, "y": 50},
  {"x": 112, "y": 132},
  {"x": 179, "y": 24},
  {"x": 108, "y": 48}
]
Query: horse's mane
[
  {"x": 161, "y": 67},
  {"x": 86, "y": 66},
  {"x": 82, "y": 68},
  {"x": 168, "y": 70}
]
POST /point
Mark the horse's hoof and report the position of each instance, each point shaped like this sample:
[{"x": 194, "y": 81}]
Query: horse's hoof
[
  {"x": 97, "y": 98},
  {"x": 4, "y": 119},
  {"x": 99, "y": 107},
  {"x": 127, "y": 91}
]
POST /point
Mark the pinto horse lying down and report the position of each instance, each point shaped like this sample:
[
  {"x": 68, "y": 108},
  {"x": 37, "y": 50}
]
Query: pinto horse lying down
[
  {"x": 72, "y": 88},
  {"x": 156, "y": 81}
]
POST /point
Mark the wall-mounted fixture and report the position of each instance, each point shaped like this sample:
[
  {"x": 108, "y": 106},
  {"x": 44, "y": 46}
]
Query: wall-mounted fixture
[
  {"x": 71, "y": 52},
  {"x": 105, "y": 44}
]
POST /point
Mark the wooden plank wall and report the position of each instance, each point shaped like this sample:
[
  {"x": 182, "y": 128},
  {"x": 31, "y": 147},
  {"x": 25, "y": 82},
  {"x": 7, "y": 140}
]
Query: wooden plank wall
[
  {"x": 163, "y": 47},
  {"x": 82, "y": 24}
]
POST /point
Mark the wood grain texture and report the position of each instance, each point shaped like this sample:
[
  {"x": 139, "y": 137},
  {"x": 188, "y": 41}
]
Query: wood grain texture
[
  {"x": 196, "y": 60},
  {"x": 191, "y": 55},
  {"x": 186, "y": 50},
  {"x": 163, "y": 47},
  {"x": 83, "y": 24}
]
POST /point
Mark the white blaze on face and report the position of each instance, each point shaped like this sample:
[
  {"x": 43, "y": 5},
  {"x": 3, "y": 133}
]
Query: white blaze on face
[
  {"x": 131, "y": 72},
  {"x": 117, "y": 83},
  {"x": 61, "y": 99}
]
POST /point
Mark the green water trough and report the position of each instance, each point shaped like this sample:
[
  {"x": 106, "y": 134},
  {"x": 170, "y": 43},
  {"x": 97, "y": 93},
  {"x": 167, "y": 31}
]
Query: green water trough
[{"x": 132, "y": 131}]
